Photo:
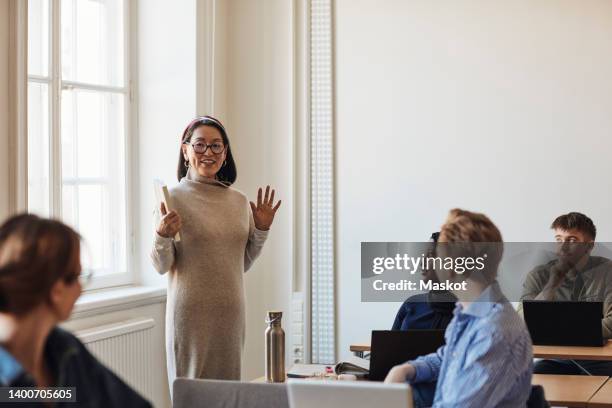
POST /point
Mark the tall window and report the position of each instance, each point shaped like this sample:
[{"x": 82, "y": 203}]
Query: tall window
[{"x": 78, "y": 116}]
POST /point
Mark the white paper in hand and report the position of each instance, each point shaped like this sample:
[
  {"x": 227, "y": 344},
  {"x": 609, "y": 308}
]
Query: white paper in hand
[{"x": 163, "y": 196}]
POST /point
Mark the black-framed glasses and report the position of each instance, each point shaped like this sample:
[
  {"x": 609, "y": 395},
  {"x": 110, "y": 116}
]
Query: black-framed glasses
[{"x": 201, "y": 147}]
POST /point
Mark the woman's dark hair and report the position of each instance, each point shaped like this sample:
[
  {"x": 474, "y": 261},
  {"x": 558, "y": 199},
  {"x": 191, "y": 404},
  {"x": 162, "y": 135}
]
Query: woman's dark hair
[
  {"x": 35, "y": 253},
  {"x": 228, "y": 173}
]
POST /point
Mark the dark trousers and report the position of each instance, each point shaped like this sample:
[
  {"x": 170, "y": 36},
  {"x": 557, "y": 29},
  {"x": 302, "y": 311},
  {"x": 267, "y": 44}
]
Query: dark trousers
[
  {"x": 423, "y": 394},
  {"x": 568, "y": 367}
]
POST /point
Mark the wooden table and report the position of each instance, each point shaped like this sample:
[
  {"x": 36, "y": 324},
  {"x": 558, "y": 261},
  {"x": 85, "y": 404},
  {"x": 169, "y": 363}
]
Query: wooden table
[
  {"x": 603, "y": 397},
  {"x": 569, "y": 390},
  {"x": 562, "y": 390},
  {"x": 559, "y": 352},
  {"x": 360, "y": 349},
  {"x": 575, "y": 353}
]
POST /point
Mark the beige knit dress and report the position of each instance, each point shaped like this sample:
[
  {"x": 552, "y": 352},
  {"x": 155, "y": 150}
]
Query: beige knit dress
[{"x": 205, "y": 309}]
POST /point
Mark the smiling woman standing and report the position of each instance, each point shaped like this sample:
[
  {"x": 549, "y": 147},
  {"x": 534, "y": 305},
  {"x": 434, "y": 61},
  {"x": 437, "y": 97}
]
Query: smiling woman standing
[{"x": 221, "y": 236}]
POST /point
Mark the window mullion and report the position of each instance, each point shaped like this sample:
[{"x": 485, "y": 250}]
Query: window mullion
[
  {"x": 39, "y": 79},
  {"x": 94, "y": 87},
  {"x": 55, "y": 161}
]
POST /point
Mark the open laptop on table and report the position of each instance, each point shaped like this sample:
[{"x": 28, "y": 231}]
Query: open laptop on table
[
  {"x": 564, "y": 323},
  {"x": 391, "y": 347},
  {"x": 353, "y": 394}
]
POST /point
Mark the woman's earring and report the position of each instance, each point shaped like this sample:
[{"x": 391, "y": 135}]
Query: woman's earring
[
  {"x": 186, "y": 164},
  {"x": 224, "y": 163}
]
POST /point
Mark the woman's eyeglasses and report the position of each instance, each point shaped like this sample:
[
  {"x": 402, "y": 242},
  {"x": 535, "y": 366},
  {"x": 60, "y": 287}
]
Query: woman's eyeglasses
[
  {"x": 201, "y": 147},
  {"x": 86, "y": 276}
]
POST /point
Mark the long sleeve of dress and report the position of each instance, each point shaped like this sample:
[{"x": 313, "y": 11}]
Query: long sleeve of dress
[
  {"x": 163, "y": 251},
  {"x": 256, "y": 241},
  {"x": 253, "y": 248}
]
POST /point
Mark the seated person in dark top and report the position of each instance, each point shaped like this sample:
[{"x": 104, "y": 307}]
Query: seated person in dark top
[
  {"x": 40, "y": 272},
  {"x": 576, "y": 275},
  {"x": 431, "y": 310}
]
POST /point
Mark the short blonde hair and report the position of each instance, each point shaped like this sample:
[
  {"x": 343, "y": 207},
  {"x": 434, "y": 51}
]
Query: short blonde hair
[{"x": 466, "y": 228}]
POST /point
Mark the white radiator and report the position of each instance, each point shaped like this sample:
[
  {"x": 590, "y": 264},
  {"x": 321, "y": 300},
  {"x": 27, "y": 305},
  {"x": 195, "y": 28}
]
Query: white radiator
[{"x": 125, "y": 347}]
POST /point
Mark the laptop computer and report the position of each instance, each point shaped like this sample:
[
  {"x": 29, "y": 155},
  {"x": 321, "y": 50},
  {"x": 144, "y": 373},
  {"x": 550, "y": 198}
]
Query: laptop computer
[
  {"x": 392, "y": 347},
  {"x": 353, "y": 394},
  {"x": 564, "y": 323}
]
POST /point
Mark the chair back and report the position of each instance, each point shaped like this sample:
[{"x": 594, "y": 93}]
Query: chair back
[{"x": 190, "y": 393}]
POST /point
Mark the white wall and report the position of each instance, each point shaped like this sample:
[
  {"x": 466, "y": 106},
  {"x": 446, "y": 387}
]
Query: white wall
[
  {"x": 166, "y": 103},
  {"x": 258, "y": 115},
  {"x": 495, "y": 106},
  {"x": 4, "y": 109}
]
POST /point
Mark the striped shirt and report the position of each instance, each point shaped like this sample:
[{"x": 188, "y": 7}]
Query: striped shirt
[{"x": 487, "y": 360}]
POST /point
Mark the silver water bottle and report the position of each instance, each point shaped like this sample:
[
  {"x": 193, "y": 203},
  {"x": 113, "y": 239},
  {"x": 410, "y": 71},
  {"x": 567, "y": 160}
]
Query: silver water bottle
[{"x": 275, "y": 348}]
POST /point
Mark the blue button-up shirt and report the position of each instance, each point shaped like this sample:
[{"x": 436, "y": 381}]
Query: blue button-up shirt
[{"x": 487, "y": 360}]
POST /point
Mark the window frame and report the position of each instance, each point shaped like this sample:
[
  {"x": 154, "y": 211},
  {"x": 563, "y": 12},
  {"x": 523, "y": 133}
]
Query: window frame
[{"x": 55, "y": 87}]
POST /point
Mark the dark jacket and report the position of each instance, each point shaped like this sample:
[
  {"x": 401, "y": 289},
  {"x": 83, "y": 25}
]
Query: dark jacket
[
  {"x": 72, "y": 365},
  {"x": 432, "y": 310}
]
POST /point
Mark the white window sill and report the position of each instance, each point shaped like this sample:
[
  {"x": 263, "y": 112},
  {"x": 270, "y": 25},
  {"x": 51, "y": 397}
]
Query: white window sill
[{"x": 120, "y": 298}]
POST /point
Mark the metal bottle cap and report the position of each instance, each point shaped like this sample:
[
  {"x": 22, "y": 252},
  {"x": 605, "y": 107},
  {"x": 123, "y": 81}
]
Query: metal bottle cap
[{"x": 274, "y": 316}]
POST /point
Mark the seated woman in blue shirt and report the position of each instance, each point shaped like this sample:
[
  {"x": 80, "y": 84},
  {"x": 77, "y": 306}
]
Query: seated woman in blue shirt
[
  {"x": 487, "y": 360},
  {"x": 431, "y": 310},
  {"x": 40, "y": 273}
]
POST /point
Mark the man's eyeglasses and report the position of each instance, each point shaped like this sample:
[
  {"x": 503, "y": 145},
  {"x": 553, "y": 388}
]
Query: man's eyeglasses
[{"x": 201, "y": 147}]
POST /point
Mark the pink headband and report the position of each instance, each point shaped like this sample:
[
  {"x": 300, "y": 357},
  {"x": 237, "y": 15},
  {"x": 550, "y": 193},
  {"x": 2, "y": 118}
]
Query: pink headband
[{"x": 203, "y": 119}]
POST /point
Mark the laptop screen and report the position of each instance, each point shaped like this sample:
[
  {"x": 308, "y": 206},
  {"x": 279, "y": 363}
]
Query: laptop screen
[
  {"x": 564, "y": 323},
  {"x": 391, "y": 347}
]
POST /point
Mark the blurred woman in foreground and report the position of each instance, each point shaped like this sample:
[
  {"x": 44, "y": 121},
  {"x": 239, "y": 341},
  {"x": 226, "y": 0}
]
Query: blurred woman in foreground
[{"x": 40, "y": 273}]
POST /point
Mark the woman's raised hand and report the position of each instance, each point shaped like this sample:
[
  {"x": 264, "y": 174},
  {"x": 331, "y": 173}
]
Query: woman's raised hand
[
  {"x": 264, "y": 211},
  {"x": 170, "y": 223}
]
